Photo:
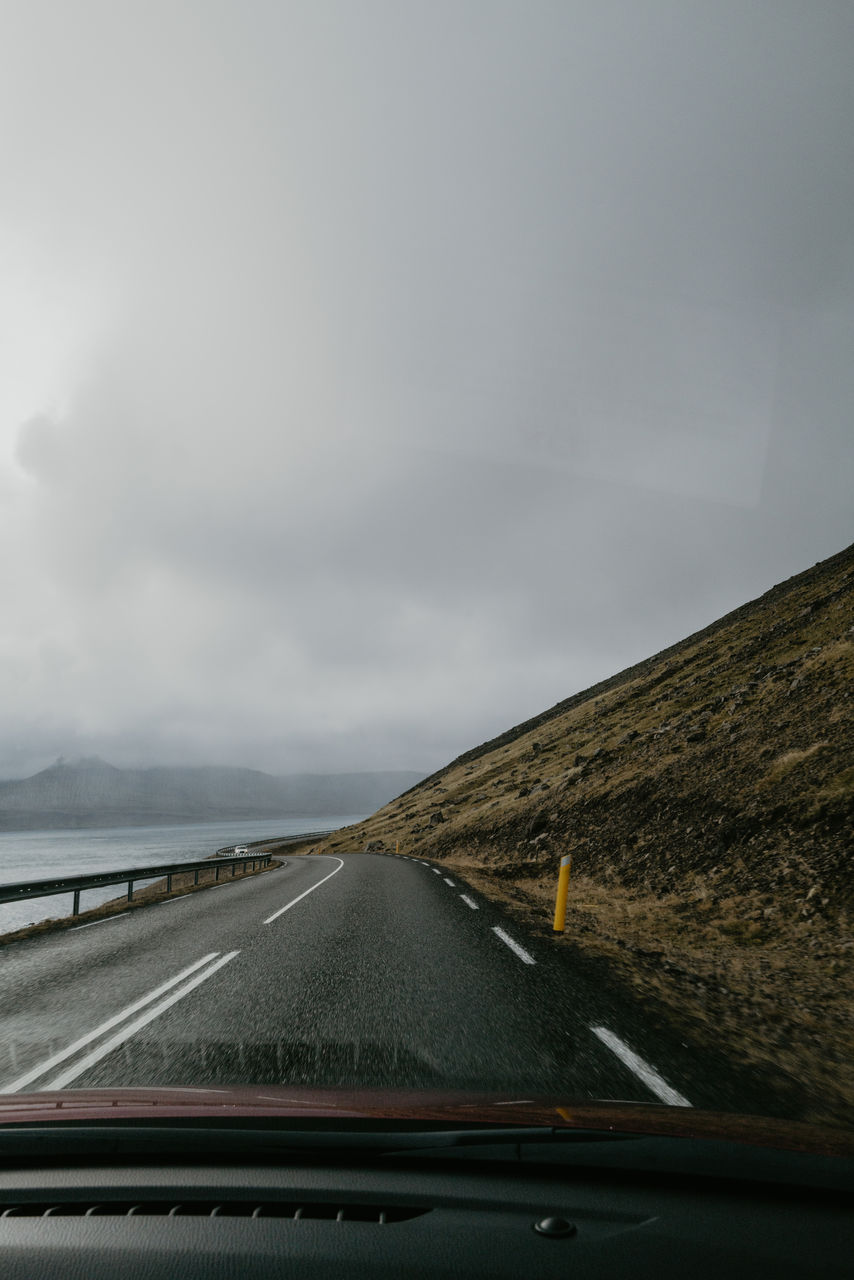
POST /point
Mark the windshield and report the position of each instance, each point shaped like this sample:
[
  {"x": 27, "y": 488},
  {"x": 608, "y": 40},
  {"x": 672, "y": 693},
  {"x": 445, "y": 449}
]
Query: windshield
[{"x": 426, "y": 485}]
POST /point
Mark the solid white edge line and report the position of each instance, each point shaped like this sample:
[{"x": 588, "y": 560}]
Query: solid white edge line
[
  {"x": 55, "y": 1060},
  {"x": 282, "y": 910},
  {"x": 126, "y": 1032},
  {"x": 641, "y": 1069},
  {"x": 450, "y": 882},
  {"x": 469, "y": 903},
  {"x": 514, "y": 946},
  {"x": 120, "y": 915}
]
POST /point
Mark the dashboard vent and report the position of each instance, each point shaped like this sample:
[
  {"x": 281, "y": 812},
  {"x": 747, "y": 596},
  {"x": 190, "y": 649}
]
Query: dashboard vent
[{"x": 327, "y": 1211}]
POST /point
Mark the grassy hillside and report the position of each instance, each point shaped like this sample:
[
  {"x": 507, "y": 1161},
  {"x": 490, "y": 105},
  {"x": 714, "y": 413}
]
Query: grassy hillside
[{"x": 707, "y": 798}]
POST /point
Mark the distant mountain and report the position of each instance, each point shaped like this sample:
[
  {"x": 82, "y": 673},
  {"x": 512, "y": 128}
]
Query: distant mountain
[{"x": 92, "y": 793}]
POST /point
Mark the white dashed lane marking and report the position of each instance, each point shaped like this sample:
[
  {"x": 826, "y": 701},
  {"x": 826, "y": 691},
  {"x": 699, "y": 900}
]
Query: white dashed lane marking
[
  {"x": 513, "y": 945},
  {"x": 644, "y": 1072},
  {"x": 641, "y": 1069}
]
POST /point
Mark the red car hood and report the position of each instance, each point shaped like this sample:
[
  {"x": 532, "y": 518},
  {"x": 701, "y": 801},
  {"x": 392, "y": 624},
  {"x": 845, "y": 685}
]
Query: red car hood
[{"x": 452, "y": 1109}]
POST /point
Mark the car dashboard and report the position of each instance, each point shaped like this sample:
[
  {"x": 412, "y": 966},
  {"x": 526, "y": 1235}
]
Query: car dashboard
[{"x": 96, "y": 1203}]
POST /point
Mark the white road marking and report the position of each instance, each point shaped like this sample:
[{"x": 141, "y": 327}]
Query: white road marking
[
  {"x": 514, "y": 946},
  {"x": 469, "y": 903},
  {"x": 294, "y": 901},
  {"x": 641, "y": 1069},
  {"x": 199, "y": 1088},
  {"x": 436, "y": 871},
  {"x": 63, "y": 1080},
  {"x": 450, "y": 882},
  {"x": 92, "y": 923},
  {"x": 266, "y": 1097},
  {"x": 54, "y": 1061}
]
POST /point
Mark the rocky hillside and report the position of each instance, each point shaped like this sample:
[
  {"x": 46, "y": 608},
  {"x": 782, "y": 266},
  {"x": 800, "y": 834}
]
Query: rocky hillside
[{"x": 707, "y": 798}]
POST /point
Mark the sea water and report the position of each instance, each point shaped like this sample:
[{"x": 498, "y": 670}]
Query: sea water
[{"x": 45, "y": 855}]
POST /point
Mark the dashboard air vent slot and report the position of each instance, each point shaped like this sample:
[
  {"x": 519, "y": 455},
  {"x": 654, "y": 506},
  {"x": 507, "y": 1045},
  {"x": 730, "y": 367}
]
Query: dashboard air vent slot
[{"x": 329, "y": 1211}]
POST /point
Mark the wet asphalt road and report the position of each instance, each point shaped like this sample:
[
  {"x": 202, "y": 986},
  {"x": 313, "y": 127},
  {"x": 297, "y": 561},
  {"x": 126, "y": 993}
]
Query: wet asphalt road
[{"x": 371, "y": 970}]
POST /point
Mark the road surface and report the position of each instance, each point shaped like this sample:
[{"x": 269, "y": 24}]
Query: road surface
[{"x": 370, "y": 969}]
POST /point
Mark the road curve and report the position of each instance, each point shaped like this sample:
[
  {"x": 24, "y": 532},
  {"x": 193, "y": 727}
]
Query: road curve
[{"x": 371, "y": 970}]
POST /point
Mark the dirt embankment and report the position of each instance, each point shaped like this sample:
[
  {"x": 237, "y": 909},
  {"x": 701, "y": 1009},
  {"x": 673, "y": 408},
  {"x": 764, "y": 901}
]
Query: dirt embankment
[{"x": 707, "y": 798}]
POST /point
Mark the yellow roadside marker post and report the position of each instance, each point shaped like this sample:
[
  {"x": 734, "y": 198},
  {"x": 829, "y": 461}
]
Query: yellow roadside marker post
[{"x": 562, "y": 892}]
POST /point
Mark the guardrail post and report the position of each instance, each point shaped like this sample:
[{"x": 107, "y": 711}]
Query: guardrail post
[
  {"x": 76, "y": 885},
  {"x": 562, "y": 892}
]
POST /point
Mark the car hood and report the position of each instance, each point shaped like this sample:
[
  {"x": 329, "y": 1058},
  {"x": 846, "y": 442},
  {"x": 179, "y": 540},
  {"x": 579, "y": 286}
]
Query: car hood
[{"x": 453, "y": 1109}]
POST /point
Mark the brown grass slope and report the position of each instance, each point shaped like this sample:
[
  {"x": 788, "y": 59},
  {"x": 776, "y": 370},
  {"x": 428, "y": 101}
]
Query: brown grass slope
[{"x": 707, "y": 798}]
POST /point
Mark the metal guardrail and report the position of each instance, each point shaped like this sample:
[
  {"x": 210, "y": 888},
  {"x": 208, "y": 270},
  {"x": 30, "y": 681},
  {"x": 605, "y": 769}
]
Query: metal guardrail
[{"x": 76, "y": 884}]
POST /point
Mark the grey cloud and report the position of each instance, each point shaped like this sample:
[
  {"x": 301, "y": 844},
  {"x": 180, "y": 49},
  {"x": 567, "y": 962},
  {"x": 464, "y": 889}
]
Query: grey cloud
[{"x": 447, "y": 358}]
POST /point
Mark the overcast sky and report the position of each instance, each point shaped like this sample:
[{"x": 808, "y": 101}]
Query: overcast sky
[{"x": 374, "y": 375}]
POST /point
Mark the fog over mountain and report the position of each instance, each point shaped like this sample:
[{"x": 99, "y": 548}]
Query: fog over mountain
[{"x": 92, "y": 793}]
